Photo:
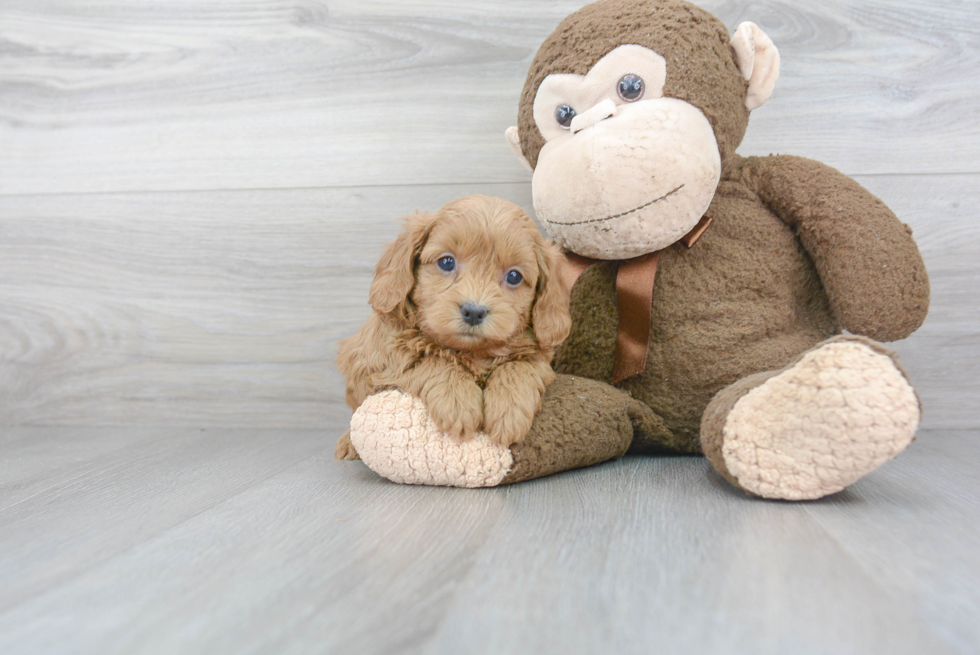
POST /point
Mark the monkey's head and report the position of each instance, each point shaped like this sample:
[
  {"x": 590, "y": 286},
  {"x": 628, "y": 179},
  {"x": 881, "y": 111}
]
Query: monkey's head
[{"x": 628, "y": 115}]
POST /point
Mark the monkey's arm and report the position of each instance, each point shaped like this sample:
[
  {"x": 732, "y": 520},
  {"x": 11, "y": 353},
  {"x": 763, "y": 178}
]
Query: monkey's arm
[{"x": 868, "y": 263}]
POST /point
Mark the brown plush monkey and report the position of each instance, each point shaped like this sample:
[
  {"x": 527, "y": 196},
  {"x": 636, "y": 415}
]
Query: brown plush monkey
[{"x": 710, "y": 287}]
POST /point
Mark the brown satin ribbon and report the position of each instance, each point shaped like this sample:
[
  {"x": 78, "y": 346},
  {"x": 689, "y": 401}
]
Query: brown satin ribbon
[
  {"x": 692, "y": 237},
  {"x": 634, "y": 294},
  {"x": 574, "y": 266}
]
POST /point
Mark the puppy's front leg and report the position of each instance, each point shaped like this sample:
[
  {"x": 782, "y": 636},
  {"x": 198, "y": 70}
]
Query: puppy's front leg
[
  {"x": 452, "y": 396},
  {"x": 513, "y": 397}
]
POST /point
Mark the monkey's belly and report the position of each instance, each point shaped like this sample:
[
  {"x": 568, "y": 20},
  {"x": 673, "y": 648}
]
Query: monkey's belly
[{"x": 746, "y": 298}]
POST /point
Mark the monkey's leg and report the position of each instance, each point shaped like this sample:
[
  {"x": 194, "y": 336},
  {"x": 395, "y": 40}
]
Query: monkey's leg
[
  {"x": 840, "y": 411},
  {"x": 581, "y": 422}
]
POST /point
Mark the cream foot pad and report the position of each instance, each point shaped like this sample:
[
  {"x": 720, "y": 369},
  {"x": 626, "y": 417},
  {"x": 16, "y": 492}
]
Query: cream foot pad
[
  {"x": 842, "y": 411},
  {"x": 395, "y": 437}
]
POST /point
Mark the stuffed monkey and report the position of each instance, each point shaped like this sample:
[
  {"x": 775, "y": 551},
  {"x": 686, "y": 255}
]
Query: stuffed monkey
[{"x": 710, "y": 291}]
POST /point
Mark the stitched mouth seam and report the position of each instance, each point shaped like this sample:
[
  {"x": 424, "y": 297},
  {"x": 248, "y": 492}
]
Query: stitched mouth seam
[{"x": 621, "y": 214}]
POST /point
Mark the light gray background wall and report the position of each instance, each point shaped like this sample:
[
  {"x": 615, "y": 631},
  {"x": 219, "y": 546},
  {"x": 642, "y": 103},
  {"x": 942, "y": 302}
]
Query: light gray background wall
[{"x": 193, "y": 195}]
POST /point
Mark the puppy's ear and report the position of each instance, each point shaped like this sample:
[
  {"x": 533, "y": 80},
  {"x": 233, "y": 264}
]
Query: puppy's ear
[
  {"x": 550, "y": 317},
  {"x": 394, "y": 276}
]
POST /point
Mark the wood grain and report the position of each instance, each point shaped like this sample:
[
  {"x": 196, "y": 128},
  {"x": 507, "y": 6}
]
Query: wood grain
[
  {"x": 224, "y": 308},
  {"x": 637, "y": 555},
  {"x": 920, "y": 539},
  {"x": 683, "y": 565},
  {"x": 943, "y": 356},
  {"x": 268, "y": 94},
  {"x": 192, "y": 199},
  {"x": 72, "y": 518},
  {"x": 190, "y": 309}
]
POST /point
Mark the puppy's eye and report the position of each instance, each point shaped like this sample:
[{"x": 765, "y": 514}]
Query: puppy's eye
[
  {"x": 630, "y": 88},
  {"x": 447, "y": 264},
  {"x": 513, "y": 277},
  {"x": 564, "y": 115}
]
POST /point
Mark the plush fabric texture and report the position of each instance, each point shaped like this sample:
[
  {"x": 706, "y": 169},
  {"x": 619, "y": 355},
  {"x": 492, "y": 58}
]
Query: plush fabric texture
[
  {"x": 621, "y": 189},
  {"x": 594, "y": 90},
  {"x": 869, "y": 266},
  {"x": 795, "y": 254},
  {"x": 396, "y": 438},
  {"x": 758, "y": 59},
  {"x": 701, "y": 64},
  {"x": 583, "y": 422},
  {"x": 840, "y": 411},
  {"x": 749, "y": 296}
]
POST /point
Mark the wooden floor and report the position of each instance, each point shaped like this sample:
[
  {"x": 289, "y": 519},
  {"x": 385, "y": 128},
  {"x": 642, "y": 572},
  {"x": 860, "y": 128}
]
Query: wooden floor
[
  {"x": 192, "y": 198},
  {"x": 117, "y": 540}
]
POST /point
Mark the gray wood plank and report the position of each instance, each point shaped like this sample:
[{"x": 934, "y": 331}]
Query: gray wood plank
[
  {"x": 208, "y": 308},
  {"x": 77, "y": 517},
  {"x": 638, "y": 555},
  {"x": 943, "y": 356},
  {"x": 913, "y": 527},
  {"x": 37, "y": 458},
  {"x": 322, "y": 542},
  {"x": 190, "y": 309},
  {"x": 117, "y": 96},
  {"x": 662, "y": 556},
  {"x": 892, "y": 558}
]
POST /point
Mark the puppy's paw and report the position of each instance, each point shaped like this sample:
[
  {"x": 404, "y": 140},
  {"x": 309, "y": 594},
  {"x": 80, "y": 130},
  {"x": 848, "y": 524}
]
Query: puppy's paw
[
  {"x": 508, "y": 416},
  {"x": 344, "y": 448},
  {"x": 456, "y": 409}
]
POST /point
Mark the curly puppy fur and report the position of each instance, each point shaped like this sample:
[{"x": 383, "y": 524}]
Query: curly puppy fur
[{"x": 489, "y": 376}]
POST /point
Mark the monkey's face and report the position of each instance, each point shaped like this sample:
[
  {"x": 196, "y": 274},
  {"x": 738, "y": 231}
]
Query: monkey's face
[
  {"x": 628, "y": 114},
  {"x": 624, "y": 171}
]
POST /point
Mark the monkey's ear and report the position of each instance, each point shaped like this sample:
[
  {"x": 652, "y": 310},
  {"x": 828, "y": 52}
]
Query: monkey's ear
[
  {"x": 758, "y": 60},
  {"x": 394, "y": 276},
  {"x": 514, "y": 139}
]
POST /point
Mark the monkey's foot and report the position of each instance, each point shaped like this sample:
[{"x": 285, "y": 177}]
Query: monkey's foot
[
  {"x": 839, "y": 412},
  {"x": 581, "y": 422},
  {"x": 396, "y": 438}
]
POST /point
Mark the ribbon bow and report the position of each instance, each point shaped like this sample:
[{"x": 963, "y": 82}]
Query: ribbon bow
[{"x": 634, "y": 294}]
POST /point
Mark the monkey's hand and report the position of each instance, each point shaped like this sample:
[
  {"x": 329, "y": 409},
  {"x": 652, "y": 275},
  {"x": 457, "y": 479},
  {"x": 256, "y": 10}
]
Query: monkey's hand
[{"x": 512, "y": 398}]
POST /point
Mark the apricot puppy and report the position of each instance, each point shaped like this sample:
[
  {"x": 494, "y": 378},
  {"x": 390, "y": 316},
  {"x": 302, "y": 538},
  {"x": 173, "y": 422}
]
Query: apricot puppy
[{"x": 468, "y": 306}]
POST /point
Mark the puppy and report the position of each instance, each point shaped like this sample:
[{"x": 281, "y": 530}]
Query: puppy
[{"x": 469, "y": 305}]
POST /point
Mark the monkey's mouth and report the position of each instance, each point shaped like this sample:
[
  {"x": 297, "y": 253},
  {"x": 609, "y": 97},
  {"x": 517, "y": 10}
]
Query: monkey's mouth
[{"x": 621, "y": 214}]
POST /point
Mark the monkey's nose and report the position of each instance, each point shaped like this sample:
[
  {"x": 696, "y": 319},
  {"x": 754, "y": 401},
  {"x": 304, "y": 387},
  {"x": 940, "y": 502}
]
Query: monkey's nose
[
  {"x": 605, "y": 109},
  {"x": 473, "y": 314}
]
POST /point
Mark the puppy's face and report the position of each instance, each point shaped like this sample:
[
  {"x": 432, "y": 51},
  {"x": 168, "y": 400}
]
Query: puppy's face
[
  {"x": 476, "y": 276},
  {"x": 481, "y": 276}
]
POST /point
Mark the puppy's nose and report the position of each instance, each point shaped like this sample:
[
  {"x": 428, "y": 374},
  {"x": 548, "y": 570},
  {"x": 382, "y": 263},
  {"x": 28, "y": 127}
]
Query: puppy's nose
[{"x": 472, "y": 313}]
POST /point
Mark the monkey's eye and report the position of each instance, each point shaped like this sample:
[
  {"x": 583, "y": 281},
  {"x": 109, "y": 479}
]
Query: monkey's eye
[
  {"x": 630, "y": 87},
  {"x": 564, "y": 115},
  {"x": 513, "y": 277},
  {"x": 447, "y": 263}
]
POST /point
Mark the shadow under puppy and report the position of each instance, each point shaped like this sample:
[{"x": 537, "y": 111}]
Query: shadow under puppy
[{"x": 469, "y": 305}]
